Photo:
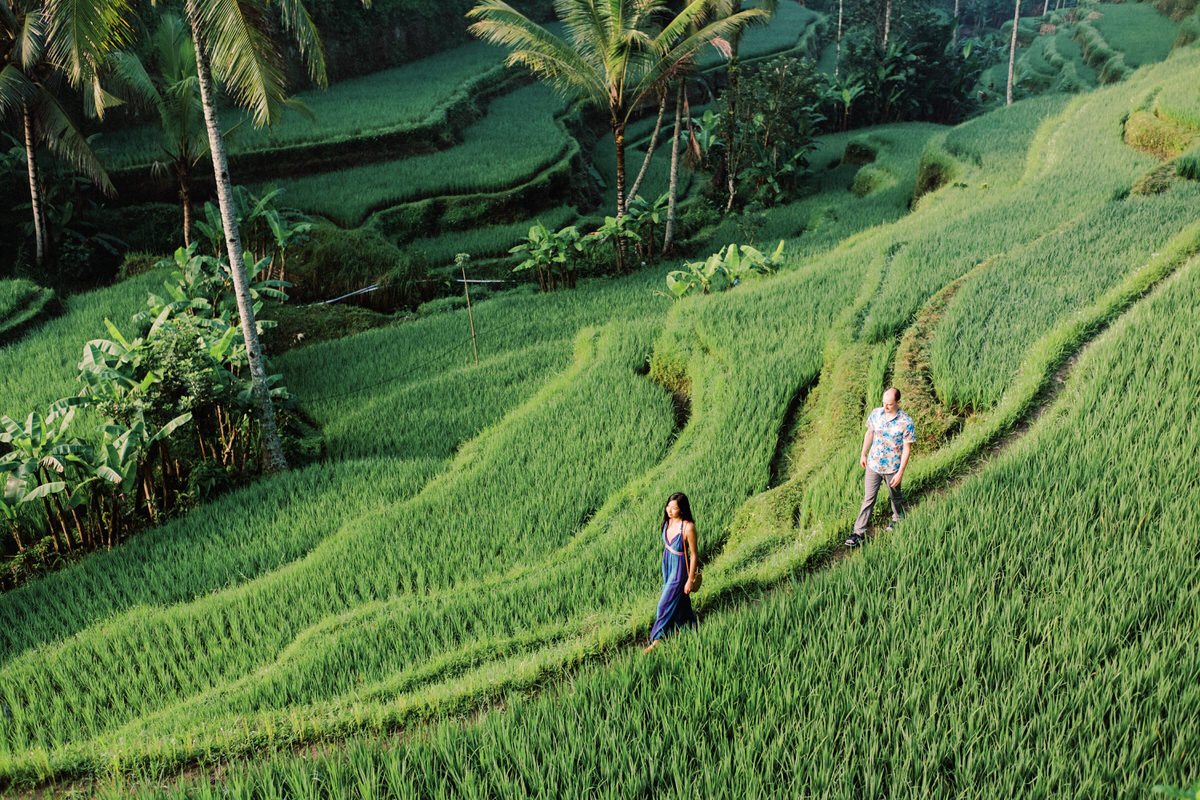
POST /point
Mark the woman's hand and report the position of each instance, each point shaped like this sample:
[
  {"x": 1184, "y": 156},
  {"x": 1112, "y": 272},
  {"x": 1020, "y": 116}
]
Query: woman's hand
[{"x": 687, "y": 587}]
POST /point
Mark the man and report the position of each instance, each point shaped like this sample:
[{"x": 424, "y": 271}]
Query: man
[{"x": 885, "y": 451}]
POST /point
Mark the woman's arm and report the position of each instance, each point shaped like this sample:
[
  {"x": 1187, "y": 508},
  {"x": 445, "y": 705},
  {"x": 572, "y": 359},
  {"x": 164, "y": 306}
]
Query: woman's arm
[{"x": 689, "y": 538}]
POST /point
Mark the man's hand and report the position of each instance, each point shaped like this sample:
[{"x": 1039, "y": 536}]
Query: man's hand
[{"x": 895, "y": 481}]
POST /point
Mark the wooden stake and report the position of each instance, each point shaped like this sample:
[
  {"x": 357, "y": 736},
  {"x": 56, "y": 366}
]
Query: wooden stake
[{"x": 467, "y": 291}]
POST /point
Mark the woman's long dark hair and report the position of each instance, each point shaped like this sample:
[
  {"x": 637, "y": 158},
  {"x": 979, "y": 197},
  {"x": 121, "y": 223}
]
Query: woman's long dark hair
[{"x": 685, "y": 508}]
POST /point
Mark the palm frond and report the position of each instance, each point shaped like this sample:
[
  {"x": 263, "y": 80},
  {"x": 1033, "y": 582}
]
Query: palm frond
[
  {"x": 64, "y": 140},
  {"x": 8, "y": 20},
  {"x": 544, "y": 53},
  {"x": 29, "y": 40},
  {"x": 299, "y": 25},
  {"x": 15, "y": 90},
  {"x": 82, "y": 33},
  {"x": 173, "y": 49},
  {"x": 244, "y": 58},
  {"x": 128, "y": 72}
]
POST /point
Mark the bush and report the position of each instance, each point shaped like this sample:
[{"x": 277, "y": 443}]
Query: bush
[
  {"x": 335, "y": 261},
  {"x": 138, "y": 263}
]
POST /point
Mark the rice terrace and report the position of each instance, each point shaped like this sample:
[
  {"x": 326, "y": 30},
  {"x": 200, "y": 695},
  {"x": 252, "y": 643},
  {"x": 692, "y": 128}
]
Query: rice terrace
[{"x": 387, "y": 389}]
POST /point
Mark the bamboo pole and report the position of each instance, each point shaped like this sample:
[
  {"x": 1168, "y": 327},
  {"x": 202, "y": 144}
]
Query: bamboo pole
[{"x": 462, "y": 264}]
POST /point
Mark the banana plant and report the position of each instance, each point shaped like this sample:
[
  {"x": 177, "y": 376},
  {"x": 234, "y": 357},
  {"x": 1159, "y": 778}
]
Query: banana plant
[
  {"x": 550, "y": 255},
  {"x": 120, "y": 465},
  {"x": 722, "y": 270},
  {"x": 645, "y": 218},
  {"x": 35, "y": 466}
]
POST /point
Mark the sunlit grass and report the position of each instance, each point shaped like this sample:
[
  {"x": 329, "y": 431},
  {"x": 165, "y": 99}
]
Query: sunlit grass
[{"x": 518, "y": 138}]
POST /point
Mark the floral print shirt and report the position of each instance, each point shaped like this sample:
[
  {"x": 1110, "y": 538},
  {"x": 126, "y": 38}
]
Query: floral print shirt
[{"x": 888, "y": 444}]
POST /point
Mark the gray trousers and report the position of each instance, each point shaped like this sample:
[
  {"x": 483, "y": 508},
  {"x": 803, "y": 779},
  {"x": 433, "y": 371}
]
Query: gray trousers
[{"x": 872, "y": 481}]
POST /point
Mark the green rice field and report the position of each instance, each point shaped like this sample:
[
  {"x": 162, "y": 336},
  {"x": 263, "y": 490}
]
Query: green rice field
[
  {"x": 518, "y": 138},
  {"x": 380, "y": 103},
  {"x": 451, "y": 602}
]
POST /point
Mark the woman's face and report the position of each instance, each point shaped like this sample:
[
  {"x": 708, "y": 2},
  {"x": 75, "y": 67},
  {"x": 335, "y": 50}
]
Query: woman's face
[{"x": 673, "y": 509}]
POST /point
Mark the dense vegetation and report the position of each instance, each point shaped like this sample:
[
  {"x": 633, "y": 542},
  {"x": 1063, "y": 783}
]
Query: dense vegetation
[{"x": 474, "y": 552}]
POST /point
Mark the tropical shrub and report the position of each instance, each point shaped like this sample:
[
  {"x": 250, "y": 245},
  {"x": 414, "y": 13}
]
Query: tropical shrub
[
  {"x": 185, "y": 366},
  {"x": 768, "y": 124},
  {"x": 551, "y": 256},
  {"x": 722, "y": 270}
]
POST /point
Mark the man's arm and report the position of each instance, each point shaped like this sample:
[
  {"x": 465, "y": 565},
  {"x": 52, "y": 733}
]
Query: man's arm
[
  {"x": 899, "y": 476},
  {"x": 866, "y": 448}
]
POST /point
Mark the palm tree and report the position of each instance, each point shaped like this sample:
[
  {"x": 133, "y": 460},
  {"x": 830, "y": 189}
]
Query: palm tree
[
  {"x": 1012, "y": 52},
  {"x": 233, "y": 38},
  {"x": 174, "y": 92},
  {"x": 615, "y": 53},
  {"x": 44, "y": 45}
]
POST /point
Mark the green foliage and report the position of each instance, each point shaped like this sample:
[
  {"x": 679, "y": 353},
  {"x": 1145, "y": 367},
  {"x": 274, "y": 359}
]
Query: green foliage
[
  {"x": 551, "y": 256},
  {"x": 767, "y": 126},
  {"x": 722, "y": 270},
  {"x": 1110, "y": 64},
  {"x": 525, "y": 547},
  {"x": 937, "y": 169},
  {"x": 1179, "y": 102},
  {"x": 335, "y": 261},
  {"x": 484, "y": 241},
  {"x": 878, "y": 84},
  {"x": 1188, "y": 164},
  {"x": 1189, "y": 32}
]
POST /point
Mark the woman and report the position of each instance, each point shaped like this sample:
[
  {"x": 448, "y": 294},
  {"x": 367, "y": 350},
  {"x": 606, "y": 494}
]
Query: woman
[{"x": 678, "y": 569}]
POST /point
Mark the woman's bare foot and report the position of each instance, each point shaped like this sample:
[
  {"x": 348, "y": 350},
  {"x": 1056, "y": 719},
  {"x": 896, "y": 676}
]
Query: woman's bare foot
[{"x": 653, "y": 645}]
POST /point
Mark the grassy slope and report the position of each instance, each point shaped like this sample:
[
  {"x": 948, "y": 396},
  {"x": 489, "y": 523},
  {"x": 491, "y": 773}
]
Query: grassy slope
[
  {"x": 515, "y": 599},
  {"x": 518, "y": 138},
  {"x": 385, "y": 101}
]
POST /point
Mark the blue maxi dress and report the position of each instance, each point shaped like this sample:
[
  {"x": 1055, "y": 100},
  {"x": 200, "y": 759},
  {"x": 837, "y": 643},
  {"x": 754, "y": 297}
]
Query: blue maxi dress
[{"x": 674, "y": 607}]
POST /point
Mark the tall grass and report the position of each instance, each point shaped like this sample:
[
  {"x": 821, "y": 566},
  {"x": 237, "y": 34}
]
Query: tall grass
[
  {"x": 22, "y": 303},
  {"x": 1137, "y": 31},
  {"x": 1179, "y": 102},
  {"x": 1067, "y": 148},
  {"x": 41, "y": 369},
  {"x": 992, "y": 644},
  {"x": 517, "y": 139},
  {"x": 979, "y": 344},
  {"x": 534, "y": 548}
]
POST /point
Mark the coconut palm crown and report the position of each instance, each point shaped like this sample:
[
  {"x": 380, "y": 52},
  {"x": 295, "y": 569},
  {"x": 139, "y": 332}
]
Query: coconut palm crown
[{"x": 615, "y": 54}]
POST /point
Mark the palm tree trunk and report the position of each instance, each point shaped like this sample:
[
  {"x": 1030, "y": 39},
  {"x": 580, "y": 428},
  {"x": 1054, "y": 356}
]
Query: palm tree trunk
[
  {"x": 1012, "y": 52},
  {"x": 887, "y": 23},
  {"x": 1045, "y": 7},
  {"x": 662, "y": 106},
  {"x": 954, "y": 31},
  {"x": 838, "y": 58},
  {"x": 185, "y": 199},
  {"x": 35, "y": 194},
  {"x": 619, "y": 140},
  {"x": 673, "y": 191},
  {"x": 273, "y": 459}
]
